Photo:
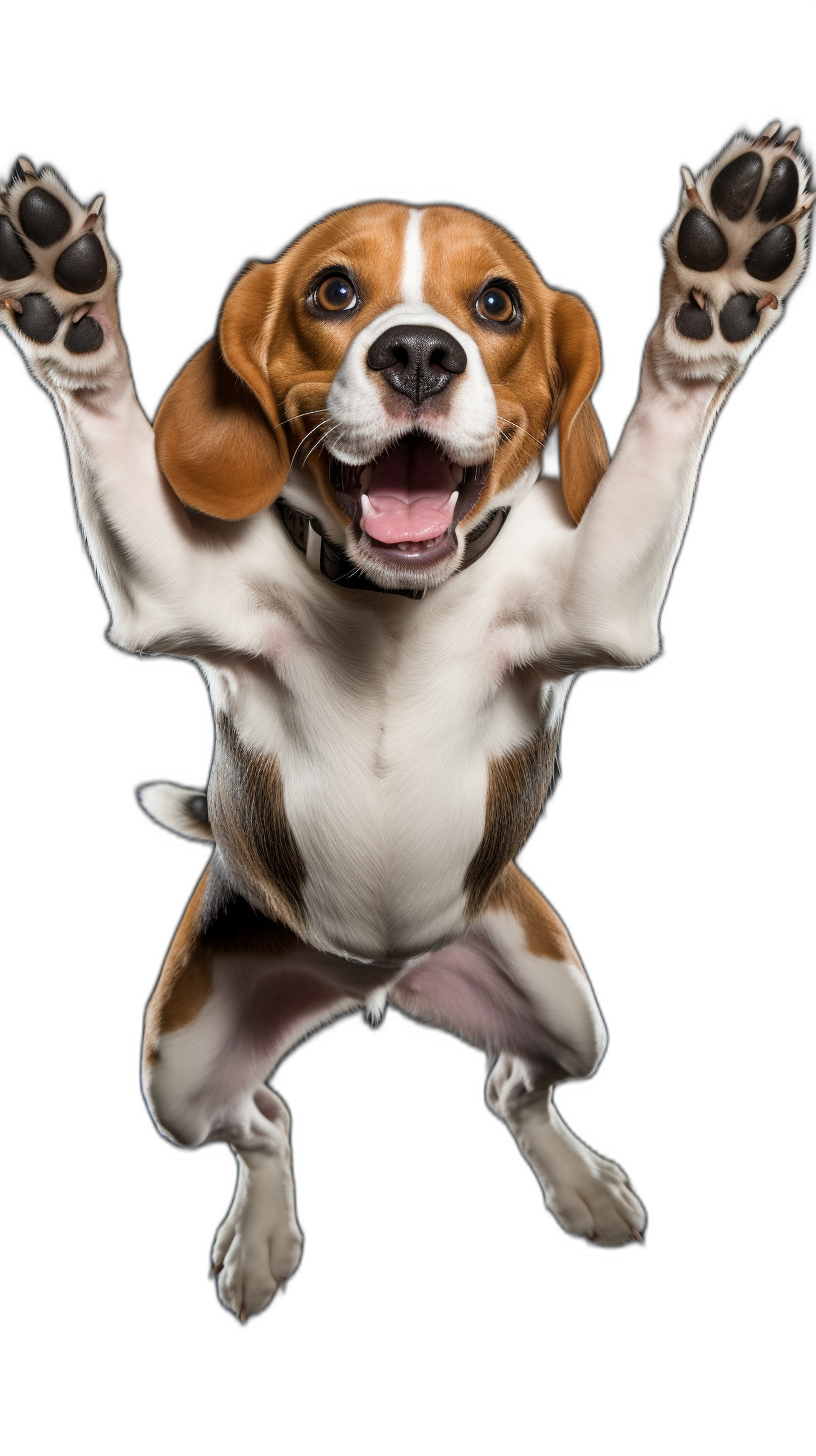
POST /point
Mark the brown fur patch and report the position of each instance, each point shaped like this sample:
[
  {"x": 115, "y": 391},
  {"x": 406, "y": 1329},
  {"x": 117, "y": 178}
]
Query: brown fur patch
[
  {"x": 516, "y": 788},
  {"x": 541, "y": 371},
  {"x": 544, "y": 932},
  {"x": 223, "y": 435},
  {"x": 216, "y": 922},
  {"x": 248, "y": 819},
  {"x": 237, "y": 414},
  {"x": 185, "y": 983}
]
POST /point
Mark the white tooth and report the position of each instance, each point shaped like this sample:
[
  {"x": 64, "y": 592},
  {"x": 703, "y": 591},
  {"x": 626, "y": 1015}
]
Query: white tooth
[
  {"x": 458, "y": 473},
  {"x": 453, "y": 498},
  {"x": 365, "y": 476},
  {"x": 366, "y": 504}
]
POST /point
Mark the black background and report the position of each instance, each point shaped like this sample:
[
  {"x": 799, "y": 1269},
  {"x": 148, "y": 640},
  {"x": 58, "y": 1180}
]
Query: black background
[{"x": 665, "y": 845}]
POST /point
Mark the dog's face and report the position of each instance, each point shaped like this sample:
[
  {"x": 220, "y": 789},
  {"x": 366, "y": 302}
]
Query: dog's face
[{"x": 409, "y": 362}]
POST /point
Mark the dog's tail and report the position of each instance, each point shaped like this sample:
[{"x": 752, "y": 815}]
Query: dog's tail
[{"x": 176, "y": 807}]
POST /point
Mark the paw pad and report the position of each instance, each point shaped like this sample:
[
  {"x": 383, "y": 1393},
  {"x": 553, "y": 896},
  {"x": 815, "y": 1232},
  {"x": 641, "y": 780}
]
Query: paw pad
[
  {"x": 82, "y": 267},
  {"x": 694, "y": 322},
  {"x": 38, "y": 319},
  {"x": 700, "y": 243},
  {"x": 735, "y": 187},
  {"x": 779, "y": 197},
  {"x": 769, "y": 258},
  {"x": 37, "y": 215},
  {"x": 15, "y": 259},
  {"x": 84, "y": 337},
  {"x": 739, "y": 318},
  {"x": 743, "y": 219},
  {"x": 43, "y": 218}
]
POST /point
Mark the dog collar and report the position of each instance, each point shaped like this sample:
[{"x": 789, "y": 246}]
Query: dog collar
[{"x": 332, "y": 562}]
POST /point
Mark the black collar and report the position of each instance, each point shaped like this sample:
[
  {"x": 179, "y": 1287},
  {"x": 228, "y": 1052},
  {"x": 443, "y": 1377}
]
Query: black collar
[{"x": 332, "y": 562}]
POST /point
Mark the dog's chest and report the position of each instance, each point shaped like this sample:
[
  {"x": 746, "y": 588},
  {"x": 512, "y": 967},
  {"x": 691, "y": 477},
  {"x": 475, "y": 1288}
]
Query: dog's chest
[{"x": 378, "y": 732}]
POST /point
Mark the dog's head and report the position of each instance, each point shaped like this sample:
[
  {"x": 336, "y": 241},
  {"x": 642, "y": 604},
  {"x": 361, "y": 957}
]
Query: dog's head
[{"x": 408, "y": 364}]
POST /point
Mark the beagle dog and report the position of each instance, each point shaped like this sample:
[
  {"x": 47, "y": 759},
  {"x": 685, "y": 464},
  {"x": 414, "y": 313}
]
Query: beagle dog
[{"x": 340, "y": 517}]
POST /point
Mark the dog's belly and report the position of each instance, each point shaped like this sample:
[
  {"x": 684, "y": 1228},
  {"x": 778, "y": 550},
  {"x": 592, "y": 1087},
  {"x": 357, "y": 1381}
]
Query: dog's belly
[
  {"x": 356, "y": 811},
  {"x": 386, "y": 846}
]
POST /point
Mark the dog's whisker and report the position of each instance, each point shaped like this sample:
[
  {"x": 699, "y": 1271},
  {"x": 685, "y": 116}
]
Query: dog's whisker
[
  {"x": 320, "y": 441},
  {"x": 522, "y": 430},
  {"x": 290, "y": 419},
  {"x": 319, "y": 426}
]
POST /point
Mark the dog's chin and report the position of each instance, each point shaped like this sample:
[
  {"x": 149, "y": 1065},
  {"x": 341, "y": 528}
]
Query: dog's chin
[
  {"x": 426, "y": 556},
  {"x": 414, "y": 565}
]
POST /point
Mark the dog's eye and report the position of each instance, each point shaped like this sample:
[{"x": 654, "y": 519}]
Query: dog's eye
[
  {"x": 496, "y": 304},
  {"x": 335, "y": 294}
]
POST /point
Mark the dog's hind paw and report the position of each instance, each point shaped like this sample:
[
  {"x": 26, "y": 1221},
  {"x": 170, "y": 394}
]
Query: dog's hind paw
[
  {"x": 259, "y": 1244},
  {"x": 57, "y": 280},
  {"x": 735, "y": 249}
]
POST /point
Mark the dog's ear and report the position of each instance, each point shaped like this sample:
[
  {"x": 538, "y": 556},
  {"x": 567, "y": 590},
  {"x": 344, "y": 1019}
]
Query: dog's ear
[
  {"x": 584, "y": 456},
  {"x": 219, "y": 438}
]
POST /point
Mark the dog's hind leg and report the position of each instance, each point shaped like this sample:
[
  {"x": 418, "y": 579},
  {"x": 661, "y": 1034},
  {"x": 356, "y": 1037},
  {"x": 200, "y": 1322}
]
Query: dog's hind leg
[
  {"x": 236, "y": 992},
  {"x": 515, "y": 986}
]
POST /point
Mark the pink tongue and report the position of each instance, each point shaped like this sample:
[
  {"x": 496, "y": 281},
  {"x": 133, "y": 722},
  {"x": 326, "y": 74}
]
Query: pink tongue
[{"x": 410, "y": 492}]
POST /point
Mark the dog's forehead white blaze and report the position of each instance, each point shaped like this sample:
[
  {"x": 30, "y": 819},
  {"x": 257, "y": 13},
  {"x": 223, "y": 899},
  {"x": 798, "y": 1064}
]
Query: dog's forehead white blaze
[
  {"x": 465, "y": 427},
  {"x": 413, "y": 259}
]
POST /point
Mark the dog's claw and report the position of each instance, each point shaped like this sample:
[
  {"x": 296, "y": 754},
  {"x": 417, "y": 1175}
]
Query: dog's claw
[
  {"x": 791, "y": 139},
  {"x": 216, "y": 1269},
  {"x": 96, "y": 205},
  {"x": 80, "y": 313},
  {"x": 13, "y": 303},
  {"x": 23, "y": 170},
  {"x": 691, "y": 187},
  {"x": 698, "y": 297},
  {"x": 243, "y": 1316},
  {"x": 807, "y": 203},
  {"x": 636, "y": 1234},
  {"x": 765, "y": 137},
  {"x": 767, "y": 300}
]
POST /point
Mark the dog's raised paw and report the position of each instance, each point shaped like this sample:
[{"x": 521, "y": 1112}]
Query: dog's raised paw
[
  {"x": 57, "y": 278},
  {"x": 735, "y": 250}
]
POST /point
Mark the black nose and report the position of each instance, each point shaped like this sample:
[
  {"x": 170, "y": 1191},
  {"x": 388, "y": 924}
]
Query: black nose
[{"x": 417, "y": 360}]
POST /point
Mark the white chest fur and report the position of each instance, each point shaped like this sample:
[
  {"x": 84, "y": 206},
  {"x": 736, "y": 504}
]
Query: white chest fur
[{"x": 382, "y": 715}]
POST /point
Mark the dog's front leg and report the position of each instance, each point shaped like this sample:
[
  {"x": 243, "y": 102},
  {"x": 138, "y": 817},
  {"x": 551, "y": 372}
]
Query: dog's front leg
[
  {"x": 735, "y": 250},
  {"x": 58, "y": 286}
]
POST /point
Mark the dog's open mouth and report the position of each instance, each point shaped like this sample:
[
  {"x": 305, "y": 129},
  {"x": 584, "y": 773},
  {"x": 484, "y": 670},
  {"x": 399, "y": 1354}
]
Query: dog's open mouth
[{"x": 407, "y": 503}]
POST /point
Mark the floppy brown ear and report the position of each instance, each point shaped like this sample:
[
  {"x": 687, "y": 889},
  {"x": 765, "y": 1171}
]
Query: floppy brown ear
[
  {"x": 584, "y": 456},
  {"x": 219, "y": 438}
]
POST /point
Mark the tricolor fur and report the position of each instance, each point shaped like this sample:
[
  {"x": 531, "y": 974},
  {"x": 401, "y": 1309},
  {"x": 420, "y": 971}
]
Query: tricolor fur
[{"x": 381, "y": 754}]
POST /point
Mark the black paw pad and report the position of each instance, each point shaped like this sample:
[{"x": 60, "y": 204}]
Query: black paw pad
[
  {"x": 739, "y": 317},
  {"x": 43, "y": 218},
  {"x": 772, "y": 254},
  {"x": 14, "y": 258},
  {"x": 84, "y": 337},
  {"x": 694, "y": 322},
  {"x": 700, "y": 243},
  {"x": 39, "y": 319},
  {"x": 779, "y": 197},
  {"x": 734, "y": 188},
  {"x": 82, "y": 267}
]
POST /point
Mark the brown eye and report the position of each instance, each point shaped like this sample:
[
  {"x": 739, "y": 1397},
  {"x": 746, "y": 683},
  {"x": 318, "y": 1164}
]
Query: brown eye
[
  {"x": 495, "y": 304},
  {"x": 335, "y": 294}
]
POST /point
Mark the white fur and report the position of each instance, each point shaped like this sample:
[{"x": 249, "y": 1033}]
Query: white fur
[
  {"x": 383, "y": 715},
  {"x": 413, "y": 264},
  {"x": 169, "y": 805}
]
